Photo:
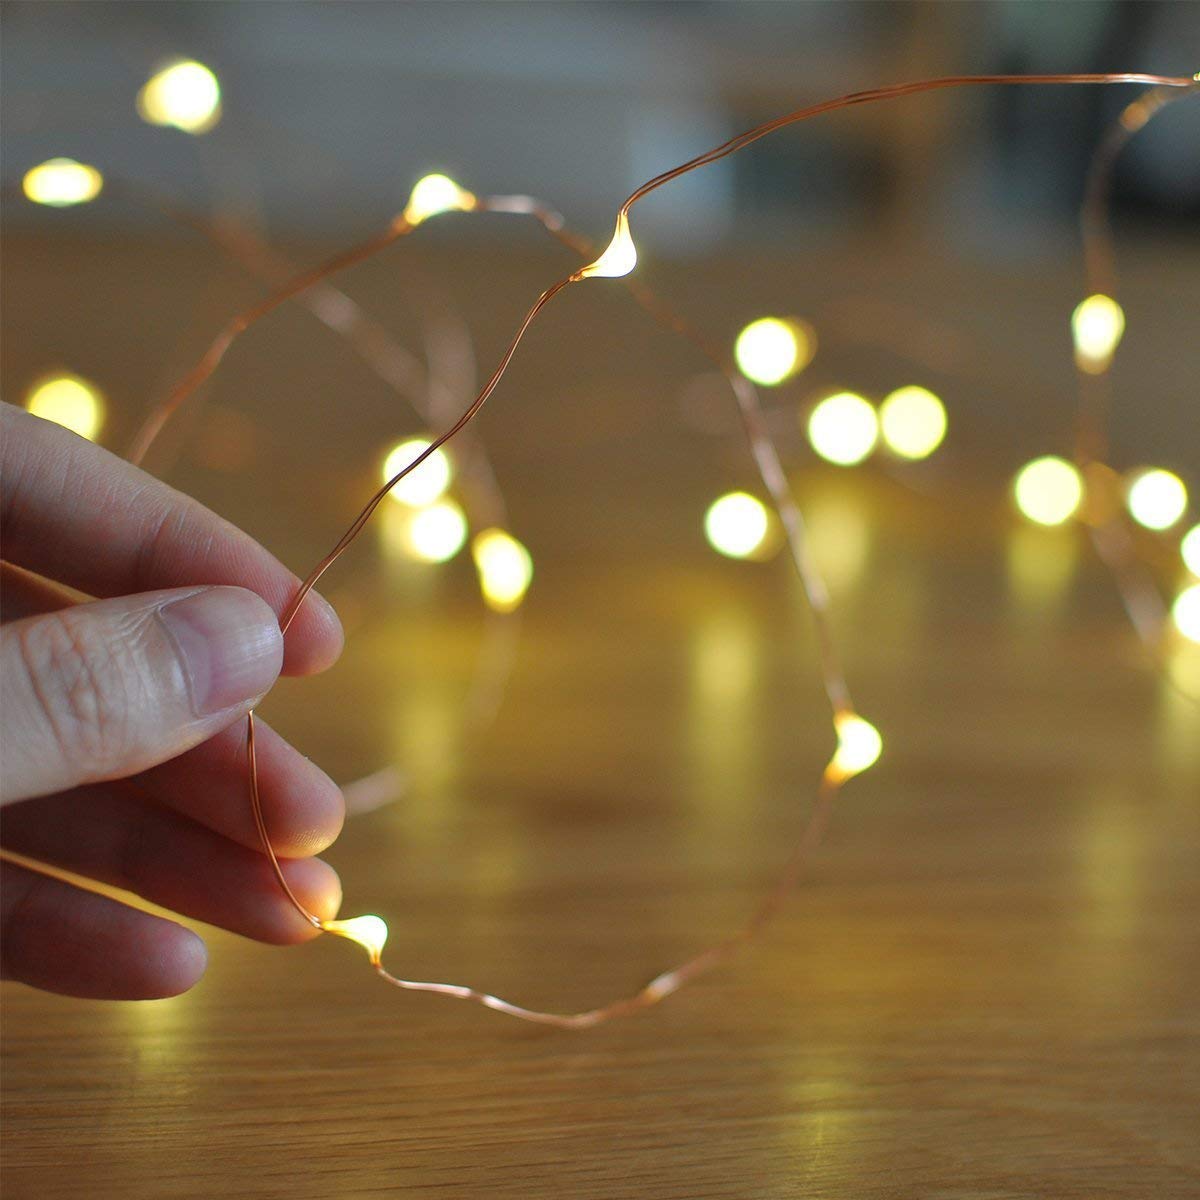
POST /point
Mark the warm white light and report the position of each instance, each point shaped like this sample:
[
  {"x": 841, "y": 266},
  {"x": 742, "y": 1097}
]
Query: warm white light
[
  {"x": 1189, "y": 548},
  {"x": 913, "y": 422},
  {"x": 619, "y": 259},
  {"x": 843, "y": 429},
  {"x": 1156, "y": 499},
  {"x": 185, "y": 95},
  {"x": 437, "y": 533},
  {"x": 424, "y": 484},
  {"x": 61, "y": 182},
  {"x": 770, "y": 350},
  {"x": 505, "y": 569},
  {"x": 1096, "y": 326},
  {"x": 436, "y": 194},
  {"x": 370, "y": 932},
  {"x": 859, "y": 745},
  {"x": 1185, "y": 612},
  {"x": 736, "y": 525},
  {"x": 1048, "y": 490},
  {"x": 70, "y": 401}
]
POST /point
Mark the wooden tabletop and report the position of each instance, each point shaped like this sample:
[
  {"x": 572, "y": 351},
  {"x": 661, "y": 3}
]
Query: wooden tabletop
[{"x": 984, "y": 988}]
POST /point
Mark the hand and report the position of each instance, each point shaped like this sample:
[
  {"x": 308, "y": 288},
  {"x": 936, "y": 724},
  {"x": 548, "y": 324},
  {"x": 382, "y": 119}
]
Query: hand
[{"x": 121, "y": 732}]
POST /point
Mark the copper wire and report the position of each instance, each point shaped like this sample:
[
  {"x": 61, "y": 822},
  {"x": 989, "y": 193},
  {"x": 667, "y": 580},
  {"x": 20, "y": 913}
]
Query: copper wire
[{"x": 768, "y": 463}]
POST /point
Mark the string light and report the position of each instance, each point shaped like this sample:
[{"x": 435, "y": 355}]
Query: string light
[
  {"x": 859, "y": 746},
  {"x": 70, "y": 401},
  {"x": 771, "y": 350},
  {"x": 61, "y": 182},
  {"x": 1189, "y": 549},
  {"x": 423, "y": 484},
  {"x": 505, "y": 569},
  {"x": 736, "y": 525},
  {"x": 1185, "y": 612},
  {"x": 437, "y": 533},
  {"x": 1096, "y": 326},
  {"x": 618, "y": 259},
  {"x": 1048, "y": 490},
  {"x": 369, "y": 931},
  {"x": 185, "y": 95},
  {"x": 1156, "y": 499},
  {"x": 913, "y": 422},
  {"x": 435, "y": 194},
  {"x": 843, "y": 429}
]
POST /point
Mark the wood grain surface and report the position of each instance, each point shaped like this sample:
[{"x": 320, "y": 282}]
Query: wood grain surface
[{"x": 986, "y": 986}]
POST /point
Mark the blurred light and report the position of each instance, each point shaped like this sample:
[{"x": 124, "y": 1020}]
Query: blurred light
[
  {"x": 424, "y": 484},
  {"x": 436, "y": 194},
  {"x": 69, "y": 401},
  {"x": 770, "y": 350},
  {"x": 843, "y": 429},
  {"x": 437, "y": 533},
  {"x": 859, "y": 745},
  {"x": 1041, "y": 564},
  {"x": 1185, "y": 612},
  {"x": 1048, "y": 490},
  {"x": 1190, "y": 549},
  {"x": 1097, "y": 325},
  {"x": 619, "y": 259},
  {"x": 913, "y": 422},
  {"x": 505, "y": 569},
  {"x": 61, "y": 182},
  {"x": 1156, "y": 499},
  {"x": 369, "y": 932},
  {"x": 185, "y": 95},
  {"x": 736, "y": 525},
  {"x": 839, "y": 535}
]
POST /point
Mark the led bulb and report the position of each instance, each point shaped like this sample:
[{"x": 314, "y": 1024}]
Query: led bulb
[
  {"x": 370, "y": 932},
  {"x": 771, "y": 350},
  {"x": 1185, "y": 612},
  {"x": 185, "y": 95},
  {"x": 1156, "y": 499},
  {"x": 61, "y": 182},
  {"x": 1048, "y": 490},
  {"x": 436, "y": 194},
  {"x": 69, "y": 401},
  {"x": 619, "y": 259},
  {"x": 843, "y": 429},
  {"x": 913, "y": 422},
  {"x": 1189, "y": 548},
  {"x": 436, "y": 534},
  {"x": 422, "y": 485},
  {"x": 505, "y": 569},
  {"x": 859, "y": 746},
  {"x": 736, "y": 525},
  {"x": 1096, "y": 327}
]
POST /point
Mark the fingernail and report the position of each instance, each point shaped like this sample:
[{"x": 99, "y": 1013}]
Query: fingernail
[{"x": 229, "y": 646}]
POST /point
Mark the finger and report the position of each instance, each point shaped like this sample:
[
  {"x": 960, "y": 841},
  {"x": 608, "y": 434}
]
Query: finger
[
  {"x": 64, "y": 939},
  {"x": 104, "y": 834},
  {"x": 110, "y": 688},
  {"x": 76, "y": 513},
  {"x": 302, "y": 806}
]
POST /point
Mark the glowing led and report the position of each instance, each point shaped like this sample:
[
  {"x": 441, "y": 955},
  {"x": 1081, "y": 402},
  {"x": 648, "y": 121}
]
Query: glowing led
[
  {"x": 1156, "y": 499},
  {"x": 1096, "y": 326},
  {"x": 505, "y": 569},
  {"x": 185, "y": 95},
  {"x": 770, "y": 350},
  {"x": 70, "y": 401},
  {"x": 843, "y": 429},
  {"x": 424, "y": 484},
  {"x": 1048, "y": 490},
  {"x": 370, "y": 932},
  {"x": 913, "y": 422},
  {"x": 1185, "y": 612},
  {"x": 859, "y": 745},
  {"x": 61, "y": 182},
  {"x": 1189, "y": 548},
  {"x": 619, "y": 259},
  {"x": 436, "y": 194},
  {"x": 437, "y": 533},
  {"x": 736, "y": 524}
]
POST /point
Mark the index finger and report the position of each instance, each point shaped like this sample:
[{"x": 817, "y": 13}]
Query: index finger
[{"x": 78, "y": 514}]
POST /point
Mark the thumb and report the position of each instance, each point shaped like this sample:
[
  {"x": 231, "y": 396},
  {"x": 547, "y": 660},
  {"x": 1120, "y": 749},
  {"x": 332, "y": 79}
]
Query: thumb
[{"x": 103, "y": 690}]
